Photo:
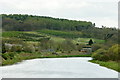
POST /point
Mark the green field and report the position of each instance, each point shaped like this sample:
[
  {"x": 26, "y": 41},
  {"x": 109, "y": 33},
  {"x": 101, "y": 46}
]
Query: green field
[
  {"x": 25, "y": 36},
  {"x": 109, "y": 64},
  {"x": 64, "y": 34},
  {"x": 86, "y": 40},
  {"x": 52, "y": 34},
  {"x": 36, "y": 44}
]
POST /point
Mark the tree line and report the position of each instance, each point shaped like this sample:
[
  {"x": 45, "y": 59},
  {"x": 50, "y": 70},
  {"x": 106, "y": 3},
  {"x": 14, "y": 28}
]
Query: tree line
[{"x": 19, "y": 22}]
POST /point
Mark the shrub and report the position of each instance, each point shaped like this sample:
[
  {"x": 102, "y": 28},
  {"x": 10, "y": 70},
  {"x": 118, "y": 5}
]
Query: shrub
[
  {"x": 28, "y": 48},
  {"x": 114, "y": 52},
  {"x": 3, "y": 48},
  {"x": 101, "y": 55},
  {"x": 5, "y": 56},
  {"x": 68, "y": 45},
  {"x": 111, "y": 54},
  {"x": 16, "y": 48},
  {"x": 8, "y": 55}
]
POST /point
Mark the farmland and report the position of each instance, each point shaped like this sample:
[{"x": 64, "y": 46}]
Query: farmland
[{"x": 38, "y": 44}]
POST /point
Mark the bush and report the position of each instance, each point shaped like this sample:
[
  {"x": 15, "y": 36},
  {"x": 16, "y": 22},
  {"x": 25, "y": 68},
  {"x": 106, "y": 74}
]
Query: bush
[
  {"x": 16, "y": 48},
  {"x": 5, "y": 56},
  {"x": 51, "y": 44},
  {"x": 28, "y": 48},
  {"x": 111, "y": 54},
  {"x": 3, "y": 48},
  {"x": 101, "y": 55},
  {"x": 114, "y": 52},
  {"x": 8, "y": 55},
  {"x": 67, "y": 45}
]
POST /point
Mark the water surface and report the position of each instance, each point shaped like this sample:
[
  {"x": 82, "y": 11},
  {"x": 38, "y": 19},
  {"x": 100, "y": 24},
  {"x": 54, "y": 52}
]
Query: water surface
[{"x": 57, "y": 68}]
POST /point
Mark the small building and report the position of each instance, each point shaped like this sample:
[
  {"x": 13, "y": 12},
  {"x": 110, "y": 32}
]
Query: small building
[{"x": 87, "y": 50}]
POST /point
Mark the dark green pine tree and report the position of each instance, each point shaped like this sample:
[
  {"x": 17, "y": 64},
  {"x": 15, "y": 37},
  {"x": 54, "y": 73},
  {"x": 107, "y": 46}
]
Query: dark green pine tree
[{"x": 90, "y": 42}]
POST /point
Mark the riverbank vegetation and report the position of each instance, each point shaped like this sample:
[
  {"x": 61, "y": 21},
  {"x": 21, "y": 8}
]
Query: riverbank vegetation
[
  {"x": 109, "y": 64},
  {"x": 108, "y": 57},
  {"x": 22, "y": 45},
  {"x": 28, "y": 37},
  {"x": 13, "y": 58}
]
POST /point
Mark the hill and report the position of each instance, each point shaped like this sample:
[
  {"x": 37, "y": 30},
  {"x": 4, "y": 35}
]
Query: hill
[{"x": 18, "y": 22}]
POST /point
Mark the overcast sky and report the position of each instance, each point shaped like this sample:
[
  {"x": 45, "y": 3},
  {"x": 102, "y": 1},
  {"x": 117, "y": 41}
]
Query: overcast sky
[{"x": 101, "y": 12}]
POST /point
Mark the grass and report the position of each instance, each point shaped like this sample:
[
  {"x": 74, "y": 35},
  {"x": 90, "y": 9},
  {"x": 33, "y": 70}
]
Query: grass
[
  {"x": 86, "y": 40},
  {"x": 55, "y": 35},
  {"x": 109, "y": 64},
  {"x": 19, "y": 57},
  {"x": 25, "y": 36},
  {"x": 0, "y": 33},
  {"x": 11, "y": 33},
  {"x": 87, "y": 55},
  {"x": 63, "y": 34},
  {"x": 26, "y": 56},
  {"x": 57, "y": 39}
]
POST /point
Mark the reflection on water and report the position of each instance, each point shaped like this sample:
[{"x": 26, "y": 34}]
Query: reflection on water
[{"x": 57, "y": 68}]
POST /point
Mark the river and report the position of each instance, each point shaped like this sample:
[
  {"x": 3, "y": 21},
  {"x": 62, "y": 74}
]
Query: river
[{"x": 57, "y": 68}]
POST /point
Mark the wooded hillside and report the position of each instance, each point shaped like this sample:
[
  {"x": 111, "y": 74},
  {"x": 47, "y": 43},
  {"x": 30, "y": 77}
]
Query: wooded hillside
[{"x": 18, "y": 22}]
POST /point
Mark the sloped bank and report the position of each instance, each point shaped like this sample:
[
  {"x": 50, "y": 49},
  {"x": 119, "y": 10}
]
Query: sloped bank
[
  {"x": 26, "y": 56},
  {"x": 109, "y": 64}
]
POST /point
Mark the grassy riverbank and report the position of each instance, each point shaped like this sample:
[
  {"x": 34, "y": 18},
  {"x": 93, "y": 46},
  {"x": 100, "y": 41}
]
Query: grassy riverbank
[
  {"x": 109, "y": 64},
  {"x": 26, "y": 56}
]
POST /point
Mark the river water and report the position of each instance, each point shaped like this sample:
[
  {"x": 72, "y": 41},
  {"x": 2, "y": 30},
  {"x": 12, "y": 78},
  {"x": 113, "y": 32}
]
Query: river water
[{"x": 57, "y": 68}]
